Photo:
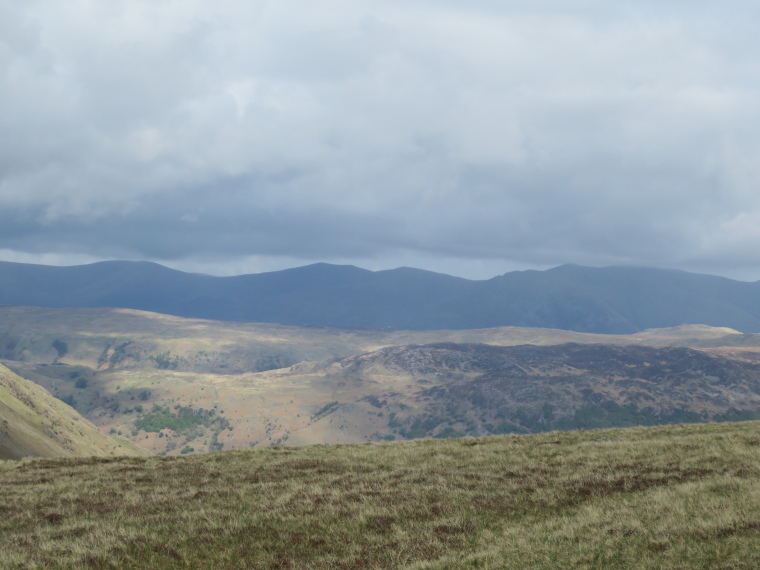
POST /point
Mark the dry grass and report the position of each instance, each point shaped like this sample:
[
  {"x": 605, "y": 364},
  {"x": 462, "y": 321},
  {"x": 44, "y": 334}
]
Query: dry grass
[{"x": 669, "y": 497}]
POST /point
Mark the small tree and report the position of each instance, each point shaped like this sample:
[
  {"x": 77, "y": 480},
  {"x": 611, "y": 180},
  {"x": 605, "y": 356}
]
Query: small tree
[{"x": 60, "y": 347}]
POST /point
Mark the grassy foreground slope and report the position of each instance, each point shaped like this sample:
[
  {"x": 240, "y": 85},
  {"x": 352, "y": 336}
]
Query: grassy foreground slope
[
  {"x": 34, "y": 423},
  {"x": 664, "y": 497}
]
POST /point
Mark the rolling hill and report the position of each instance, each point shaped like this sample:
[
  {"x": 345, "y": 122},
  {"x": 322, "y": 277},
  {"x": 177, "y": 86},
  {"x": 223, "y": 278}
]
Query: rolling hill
[
  {"x": 174, "y": 385},
  {"x": 407, "y": 391},
  {"x": 601, "y": 300},
  {"x": 110, "y": 339}
]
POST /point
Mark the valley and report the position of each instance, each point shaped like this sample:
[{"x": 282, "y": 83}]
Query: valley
[{"x": 176, "y": 386}]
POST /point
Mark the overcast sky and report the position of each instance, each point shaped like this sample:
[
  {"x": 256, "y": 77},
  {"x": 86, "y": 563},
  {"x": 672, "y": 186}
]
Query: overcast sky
[{"x": 471, "y": 138}]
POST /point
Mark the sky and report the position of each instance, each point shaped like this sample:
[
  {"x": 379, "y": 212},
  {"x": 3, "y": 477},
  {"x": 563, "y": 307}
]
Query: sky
[{"x": 471, "y": 138}]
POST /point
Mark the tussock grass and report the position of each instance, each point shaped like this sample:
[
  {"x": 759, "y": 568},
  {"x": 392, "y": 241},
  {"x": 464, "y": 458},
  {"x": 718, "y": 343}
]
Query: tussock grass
[{"x": 666, "y": 497}]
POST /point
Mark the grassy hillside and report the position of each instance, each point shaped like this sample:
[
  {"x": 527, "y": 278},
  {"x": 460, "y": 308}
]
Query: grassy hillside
[
  {"x": 35, "y": 424},
  {"x": 176, "y": 385},
  {"x": 667, "y": 497}
]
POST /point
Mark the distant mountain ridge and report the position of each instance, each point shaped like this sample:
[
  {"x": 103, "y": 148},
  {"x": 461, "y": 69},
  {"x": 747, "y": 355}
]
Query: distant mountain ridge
[{"x": 615, "y": 300}]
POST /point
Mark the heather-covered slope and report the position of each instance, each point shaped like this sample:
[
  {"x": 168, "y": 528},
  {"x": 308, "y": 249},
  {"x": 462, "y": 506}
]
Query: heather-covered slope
[{"x": 451, "y": 390}]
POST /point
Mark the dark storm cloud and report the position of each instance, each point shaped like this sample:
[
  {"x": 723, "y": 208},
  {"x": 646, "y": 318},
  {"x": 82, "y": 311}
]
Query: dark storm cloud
[{"x": 533, "y": 133}]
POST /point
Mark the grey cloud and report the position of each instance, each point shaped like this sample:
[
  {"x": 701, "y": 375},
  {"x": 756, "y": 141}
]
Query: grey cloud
[{"x": 534, "y": 133}]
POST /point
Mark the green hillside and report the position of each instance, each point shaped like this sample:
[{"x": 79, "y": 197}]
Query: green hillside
[
  {"x": 35, "y": 424},
  {"x": 664, "y": 497}
]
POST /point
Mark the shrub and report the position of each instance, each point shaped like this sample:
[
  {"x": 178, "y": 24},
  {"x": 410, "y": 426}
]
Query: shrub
[
  {"x": 60, "y": 347},
  {"x": 69, "y": 400}
]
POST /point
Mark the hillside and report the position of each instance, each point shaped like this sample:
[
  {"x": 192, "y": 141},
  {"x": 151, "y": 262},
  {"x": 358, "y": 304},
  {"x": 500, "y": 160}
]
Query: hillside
[
  {"x": 112, "y": 339},
  {"x": 412, "y": 391},
  {"x": 34, "y": 424},
  {"x": 174, "y": 385},
  {"x": 452, "y": 390},
  {"x": 650, "y": 498},
  {"x": 601, "y": 300}
]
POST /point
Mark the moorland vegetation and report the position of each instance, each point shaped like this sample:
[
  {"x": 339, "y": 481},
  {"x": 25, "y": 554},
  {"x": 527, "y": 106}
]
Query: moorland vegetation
[{"x": 684, "y": 496}]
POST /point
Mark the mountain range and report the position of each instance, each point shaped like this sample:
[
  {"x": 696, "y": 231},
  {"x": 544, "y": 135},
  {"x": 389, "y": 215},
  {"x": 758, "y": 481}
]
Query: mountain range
[{"x": 616, "y": 300}]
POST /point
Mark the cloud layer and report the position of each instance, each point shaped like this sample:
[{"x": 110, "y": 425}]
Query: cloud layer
[{"x": 519, "y": 133}]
